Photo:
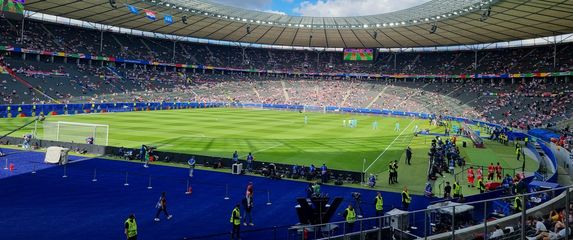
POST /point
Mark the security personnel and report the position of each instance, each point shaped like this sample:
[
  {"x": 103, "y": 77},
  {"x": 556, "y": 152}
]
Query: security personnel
[
  {"x": 457, "y": 190},
  {"x": 9, "y": 111},
  {"x": 517, "y": 204},
  {"x": 526, "y": 140},
  {"x": 131, "y": 228},
  {"x": 236, "y": 222},
  {"x": 518, "y": 153},
  {"x": 34, "y": 109},
  {"x": 391, "y": 173},
  {"x": 19, "y": 109},
  {"x": 481, "y": 186},
  {"x": 379, "y": 201},
  {"x": 395, "y": 171},
  {"x": 350, "y": 216},
  {"x": 406, "y": 199}
]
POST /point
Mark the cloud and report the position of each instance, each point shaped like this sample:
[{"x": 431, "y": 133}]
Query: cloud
[
  {"x": 246, "y": 4},
  {"x": 345, "y": 8},
  {"x": 275, "y": 12}
]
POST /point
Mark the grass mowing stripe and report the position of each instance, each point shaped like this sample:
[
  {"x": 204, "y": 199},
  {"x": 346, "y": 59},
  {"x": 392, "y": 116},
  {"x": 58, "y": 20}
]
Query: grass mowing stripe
[{"x": 387, "y": 147}]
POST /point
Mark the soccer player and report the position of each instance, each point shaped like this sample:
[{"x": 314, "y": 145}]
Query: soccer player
[
  {"x": 470, "y": 174},
  {"x": 416, "y": 129},
  {"x": 397, "y": 127},
  {"x": 375, "y": 125},
  {"x": 498, "y": 171},
  {"x": 191, "y": 163},
  {"x": 305, "y": 119},
  {"x": 162, "y": 207},
  {"x": 479, "y": 174},
  {"x": 490, "y": 171},
  {"x": 344, "y": 123}
]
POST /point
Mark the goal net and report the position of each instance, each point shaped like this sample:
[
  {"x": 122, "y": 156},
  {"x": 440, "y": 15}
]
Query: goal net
[{"x": 76, "y": 132}]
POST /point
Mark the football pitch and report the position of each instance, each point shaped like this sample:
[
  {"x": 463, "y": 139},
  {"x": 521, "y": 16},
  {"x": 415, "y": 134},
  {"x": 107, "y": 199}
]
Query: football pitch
[{"x": 281, "y": 137}]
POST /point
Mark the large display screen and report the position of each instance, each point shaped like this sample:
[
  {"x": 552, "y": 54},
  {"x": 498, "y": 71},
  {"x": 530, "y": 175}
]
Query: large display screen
[{"x": 356, "y": 54}]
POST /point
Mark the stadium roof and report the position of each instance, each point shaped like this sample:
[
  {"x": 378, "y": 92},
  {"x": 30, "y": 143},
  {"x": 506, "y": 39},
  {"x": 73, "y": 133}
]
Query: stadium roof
[{"x": 457, "y": 22}]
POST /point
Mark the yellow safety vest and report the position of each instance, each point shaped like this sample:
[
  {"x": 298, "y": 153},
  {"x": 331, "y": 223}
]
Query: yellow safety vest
[
  {"x": 350, "y": 215},
  {"x": 237, "y": 213},
  {"x": 131, "y": 228},
  {"x": 517, "y": 151},
  {"x": 379, "y": 203},
  {"x": 481, "y": 186},
  {"x": 406, "y": 199},
  {"x": 516, "y": 205},
  {"x": 457, "y": 189}
]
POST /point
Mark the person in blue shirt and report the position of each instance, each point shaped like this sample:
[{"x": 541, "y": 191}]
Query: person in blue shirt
[
  {"x": 311, "y": 171},
  {"x": 323, "y": 171},
  {"x": 191, "y": 163},
  {"x": 235, "y": 157},
  {"x": 372, "y": 181},
  {"x": 294, "y": 169},
  {"x": 428, "y": 190},
  {"x": 250, "y": 159}
]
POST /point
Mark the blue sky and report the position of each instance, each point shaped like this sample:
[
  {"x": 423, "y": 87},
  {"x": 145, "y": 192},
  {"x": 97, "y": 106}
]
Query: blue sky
[{"x": 324, "y": 8}]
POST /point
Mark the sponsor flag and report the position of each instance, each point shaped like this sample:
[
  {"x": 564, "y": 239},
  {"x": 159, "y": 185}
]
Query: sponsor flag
[
  {"x": 132, "y": 9},
  {"x": 168, "y": 19}
]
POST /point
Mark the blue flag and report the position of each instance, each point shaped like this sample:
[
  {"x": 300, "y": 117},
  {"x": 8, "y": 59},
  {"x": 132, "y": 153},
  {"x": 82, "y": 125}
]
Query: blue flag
[
  {"x": 168, "y": 19},
  {"x": 132, "y": 9}
]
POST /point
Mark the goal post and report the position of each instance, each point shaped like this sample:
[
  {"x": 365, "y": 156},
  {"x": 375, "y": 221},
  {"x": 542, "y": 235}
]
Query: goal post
[{"x": 76, "y": 132}]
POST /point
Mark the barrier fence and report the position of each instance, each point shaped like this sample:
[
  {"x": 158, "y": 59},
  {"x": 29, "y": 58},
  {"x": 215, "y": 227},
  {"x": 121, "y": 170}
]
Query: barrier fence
[
  {"x": 441, "y": 220},
  {"x": 445, "y": 220}
]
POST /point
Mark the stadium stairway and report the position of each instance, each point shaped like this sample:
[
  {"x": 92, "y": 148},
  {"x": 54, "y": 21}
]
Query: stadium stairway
[{"x": 26, "y": 83}]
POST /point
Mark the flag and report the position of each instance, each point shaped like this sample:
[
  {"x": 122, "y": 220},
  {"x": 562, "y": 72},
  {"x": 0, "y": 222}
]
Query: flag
[
  {"x": 132, "y": 9},
  {"x": 149, "y": 14},
  {"x": 168, "y": 19}
]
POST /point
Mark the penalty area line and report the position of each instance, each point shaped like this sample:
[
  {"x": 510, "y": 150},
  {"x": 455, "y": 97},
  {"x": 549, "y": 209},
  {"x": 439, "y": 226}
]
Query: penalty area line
[{"x": 389, "y": 145}]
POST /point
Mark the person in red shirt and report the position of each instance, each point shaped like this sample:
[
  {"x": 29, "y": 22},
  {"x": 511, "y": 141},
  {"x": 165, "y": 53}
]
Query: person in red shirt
[
  {"x": 479, "y": 173},
  {"x": 490, "y": 170},
  {"x": 470, "y": 175},
  {"x": 498, "y": 171},
  {"x": 250, "y": 190}
]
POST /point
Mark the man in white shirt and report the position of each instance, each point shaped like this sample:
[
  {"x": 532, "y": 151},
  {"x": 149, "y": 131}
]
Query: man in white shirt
[{"x": 498, "y": 232}]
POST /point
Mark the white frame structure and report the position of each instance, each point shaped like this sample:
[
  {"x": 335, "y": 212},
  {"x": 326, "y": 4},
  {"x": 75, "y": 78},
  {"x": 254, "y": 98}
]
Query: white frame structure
[{"x": 59, "y": 123}]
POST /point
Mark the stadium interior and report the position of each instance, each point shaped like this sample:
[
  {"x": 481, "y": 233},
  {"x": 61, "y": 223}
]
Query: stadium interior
[{"x": 107, "y": 105}]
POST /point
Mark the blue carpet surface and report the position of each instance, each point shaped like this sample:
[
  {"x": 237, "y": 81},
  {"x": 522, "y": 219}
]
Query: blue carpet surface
[{"x": 47, "y": 206}]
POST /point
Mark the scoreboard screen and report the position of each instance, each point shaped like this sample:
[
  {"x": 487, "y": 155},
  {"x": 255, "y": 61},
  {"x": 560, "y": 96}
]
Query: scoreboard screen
[{"x": 357, "y": 54}]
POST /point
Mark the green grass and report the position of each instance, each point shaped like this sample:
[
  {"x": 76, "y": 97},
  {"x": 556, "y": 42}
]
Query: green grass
[{"x": 282, "y": 137}]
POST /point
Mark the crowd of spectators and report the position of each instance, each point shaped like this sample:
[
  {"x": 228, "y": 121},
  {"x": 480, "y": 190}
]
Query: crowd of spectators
[
  {"x": 519, "y": 103},
  {"x": 55, "y": 37}
]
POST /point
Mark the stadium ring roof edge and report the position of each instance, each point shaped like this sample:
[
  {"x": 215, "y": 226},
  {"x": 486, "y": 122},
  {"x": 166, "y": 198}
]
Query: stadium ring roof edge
[{"x": 508, "y": 20}]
